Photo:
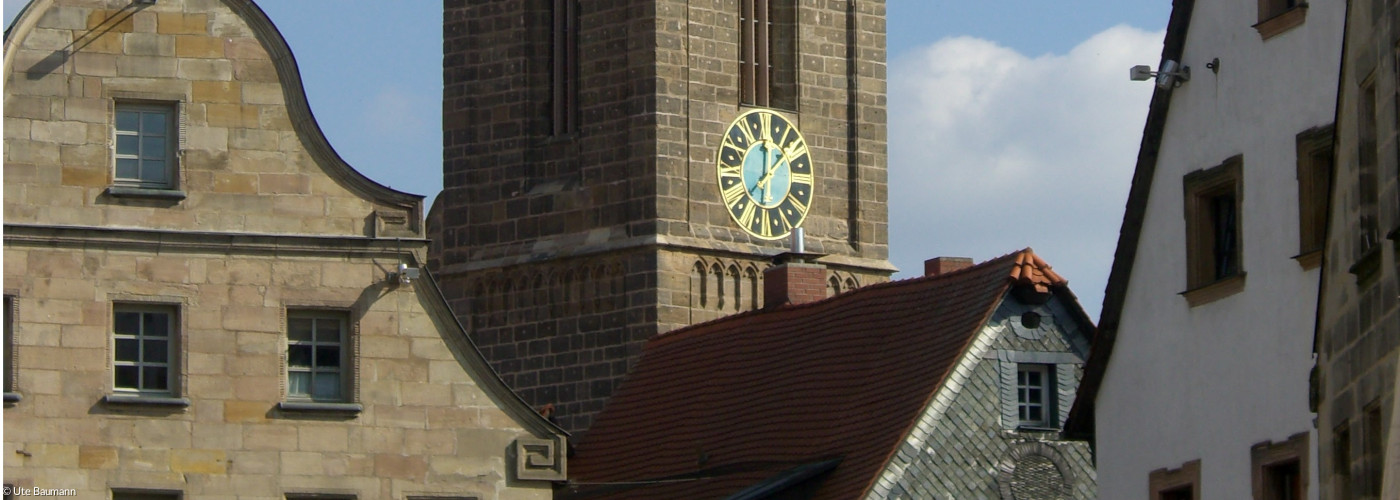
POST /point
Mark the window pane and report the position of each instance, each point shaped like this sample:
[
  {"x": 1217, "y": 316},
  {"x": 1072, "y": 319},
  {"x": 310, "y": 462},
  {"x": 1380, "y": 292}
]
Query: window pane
[
  {"x": 299, "y": 383},
  {"x": 157, "y": 324},
  {"x": 128, "y": 168},
  {"x": 127, "y": 121},
  {"x": 155, "y": 351},
  {"x": 153, "y": 123},
  {"x": 1034, "y": 413},
  {"x": 127, "y": 145},
  {"x": 327, "y": 386},
  {"x": 127, "y": 377},
  {"x": 155, "y": 378},
  {"x": 127, "y": 323},
  {"x": 128, "y": 350},
  {"x": 299, "y": 328},
  {"x": 152, "y": 147},
  {"x": 327, "y": 330},
  {"x": 299, "y": 355},
  {"x": 328, "y": 357},
  {"x": 153, "y": 170}
]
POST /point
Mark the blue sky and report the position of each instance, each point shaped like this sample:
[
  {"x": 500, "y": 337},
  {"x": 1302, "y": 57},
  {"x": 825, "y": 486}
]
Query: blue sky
[{"x": 1012, "y": 123}]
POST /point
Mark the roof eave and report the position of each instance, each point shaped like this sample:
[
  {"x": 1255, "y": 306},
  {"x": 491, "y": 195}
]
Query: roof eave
[{"x": 1080, "y": 423}]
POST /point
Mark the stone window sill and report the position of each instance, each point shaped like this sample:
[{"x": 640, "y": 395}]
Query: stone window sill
[
  {"x": 1282, "y": 21},
  {"x": 145, "y": 193},
  {"x": 141, "y": 400},
  {"x": 312, "y": 407},
  {"x": 13, "y": 397},
  {"x": 1365, "y": 269},
  {"x": 1309, "y": 260},
  {"x": 1212, "y": 292}
]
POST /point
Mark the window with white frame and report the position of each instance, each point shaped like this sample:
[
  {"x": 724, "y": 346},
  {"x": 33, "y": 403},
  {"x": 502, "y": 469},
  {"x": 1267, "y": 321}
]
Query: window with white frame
[
  {"x": 143, "y": 351},
  {"x": 316, "y": 349},
  {"x": 1034, "y": 404},
  {"x": 145, "y": 145}
]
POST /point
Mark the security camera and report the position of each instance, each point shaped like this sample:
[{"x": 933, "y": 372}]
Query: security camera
[{"x": 1170, "y": 75}]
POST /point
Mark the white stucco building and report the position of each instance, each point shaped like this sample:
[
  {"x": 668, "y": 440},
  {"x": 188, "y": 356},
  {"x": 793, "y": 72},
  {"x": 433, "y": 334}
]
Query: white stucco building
[{"x": 1198, "y": 386}]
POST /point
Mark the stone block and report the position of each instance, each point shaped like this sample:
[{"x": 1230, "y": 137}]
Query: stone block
[
  {"x": 244, "y": 48},
  {"x": 84, "y": 176},
  {"x": 146, "y": 66},
  {"x": 255, "y": 70},
  {"x": 178, "y": 23},
  {"x": 216, "y": 91},
  {"x": 64, "y": 132},
  {"x": 49, "y": 39},
  {"x": 117, "y": 21},
  {"x": 97, "y": 457},
  {"x": 300, "y": 463},
  {"x": 263, "y": 93},
  {"x": 84, "y": 155},
  {"x": 94, "y": 64},
  {"x": 16, "y": 128},
  {"x": 322, "y": 438},
  {"x": 273, "y": 436},
  {"x": 63, "y": 19},
  {"x": 247, "y": 138},
  {"x": 289, "y": 184},
  {"x": 204, "y": 69},
  {"x": 387, "y": 465},
  {"x": 146, "y": 44},
  {"x": 200, "y": 47},
  {"x": 198, "y": 461},
  {"x": 230, "y": 115},
  {"x": 246, "y": 411}
]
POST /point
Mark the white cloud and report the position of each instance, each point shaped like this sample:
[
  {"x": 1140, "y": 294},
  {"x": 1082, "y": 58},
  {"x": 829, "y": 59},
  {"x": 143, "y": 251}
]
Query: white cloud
[{"x": 992, "y": 151}]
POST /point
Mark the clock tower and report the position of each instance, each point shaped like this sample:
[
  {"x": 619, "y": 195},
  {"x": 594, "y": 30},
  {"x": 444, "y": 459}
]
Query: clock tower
[{"x": 615, "y": 170}]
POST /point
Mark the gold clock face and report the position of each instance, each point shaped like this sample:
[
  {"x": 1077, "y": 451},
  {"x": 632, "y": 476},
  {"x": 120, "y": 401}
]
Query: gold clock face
[{"x": 765, "y": 174}]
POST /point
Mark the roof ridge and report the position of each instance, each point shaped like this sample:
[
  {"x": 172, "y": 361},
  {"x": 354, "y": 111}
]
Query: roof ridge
[{"x": 871, "y": 288}]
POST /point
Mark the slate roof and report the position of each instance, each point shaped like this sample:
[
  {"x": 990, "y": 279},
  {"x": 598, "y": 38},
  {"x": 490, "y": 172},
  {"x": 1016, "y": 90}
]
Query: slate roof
[{"x": 717, "y": 408}]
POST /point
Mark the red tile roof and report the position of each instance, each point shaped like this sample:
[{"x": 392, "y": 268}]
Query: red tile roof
[{"x": 717, "y": 407}]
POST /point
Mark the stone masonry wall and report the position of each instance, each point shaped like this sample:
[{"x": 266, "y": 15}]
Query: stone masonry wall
[
  {"x": 263, "y": 218},
  {"x": 634, "y": 187},
  {"x": 1359, "y": 327},
  {"x": 426, "y": 425},
  {"x": 242, "y": 163}
]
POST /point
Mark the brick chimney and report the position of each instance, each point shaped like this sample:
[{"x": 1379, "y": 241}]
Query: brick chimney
[
  {"x": 793, "y": 283},
  {"x": 944, "y": 265}
]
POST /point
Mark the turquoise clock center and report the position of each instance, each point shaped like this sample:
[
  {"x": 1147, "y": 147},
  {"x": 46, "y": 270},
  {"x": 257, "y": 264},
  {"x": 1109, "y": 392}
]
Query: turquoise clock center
[{"x": 767, "y": 174}]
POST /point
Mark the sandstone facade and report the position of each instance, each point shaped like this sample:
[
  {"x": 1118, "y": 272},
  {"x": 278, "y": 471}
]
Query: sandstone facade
[{"x": 256, "y": 227}]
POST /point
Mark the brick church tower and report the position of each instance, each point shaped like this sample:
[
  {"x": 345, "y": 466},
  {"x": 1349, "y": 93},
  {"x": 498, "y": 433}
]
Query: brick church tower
[{"x": 584, "y": 154}]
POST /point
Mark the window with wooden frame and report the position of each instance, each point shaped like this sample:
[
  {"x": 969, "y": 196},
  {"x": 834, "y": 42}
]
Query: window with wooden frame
[
  {"x": 1035, "y": 393},
  {"x": 564, "y": 63},
  {"x": 1314, "y": 185},
  {"x": 768, "y": 53},
  {"x": 1278, "y": 16},
  {"x": 144, "y": 347},
  {"x": 146, "y": 137},
  {"x": 1279, "y": 469},
  {"x": 1213, "y": 231},
  {"x": 1182, "y": 483},
  {"x": 318, "y": 349}
]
